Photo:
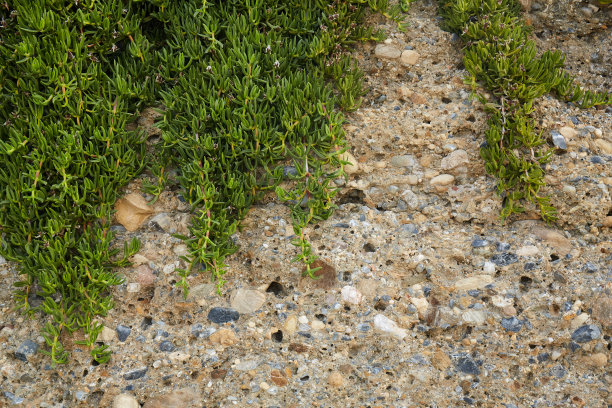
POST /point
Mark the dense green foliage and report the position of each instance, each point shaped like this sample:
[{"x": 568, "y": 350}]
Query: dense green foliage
[
  {"x": 500, "y": 55},
  {"x": 247, "y": 87}
]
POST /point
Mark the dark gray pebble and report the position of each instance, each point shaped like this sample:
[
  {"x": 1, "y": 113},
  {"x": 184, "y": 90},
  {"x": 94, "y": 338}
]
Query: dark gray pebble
[
  {"x": 502, "y": 246},
  {"x": 25, "y": 349},
  {"x": 166, "y": 345},
  {"x": 123, "y": 332},
  {"x": 504, "y": 259},
  {"x": 467, "y": 365},
  {"x": 558, "y": 371},
  {"x": 512, "y": 324},
  {"x": 222, "y": 315},
  {"x": 586, "y": 333},
  {"x": 590, "y": 267},
  {"x": 135, "y": 374},
  {"x": 597, "y": 160},
  {"x": 542, "y": 357}
]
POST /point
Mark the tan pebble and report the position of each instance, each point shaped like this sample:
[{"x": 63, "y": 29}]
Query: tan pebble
[
  {"x": 568, "y": 132},
  {"x": 509, "y": 311},
  {"x": 290, "y": 325},
  {"x": 224, "y": 337},
  {"x": 107, "y": 334},
  {"x": 264, "y": 385},
  {"x": 607, "y": 222},
  {"x": 132, "y": 211},
  {"x": 335, "y": 379},
  {"x": 603, "y": 145},
  {"x": 473, "y": 282},
  {"x": 387, "y": 51},
  {"x": 278, "y": 378},
  {"x": 442, "y": 180},
  {"x": 317, "y": 325},
  {"x": 409, "y": 57},
  {"x": 351, "y": 168},
  {"x": 597, "y": 360},
  {"x": 440, "y": 360}
]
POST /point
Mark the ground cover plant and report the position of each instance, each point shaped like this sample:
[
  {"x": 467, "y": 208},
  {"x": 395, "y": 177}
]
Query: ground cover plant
[
  {"x": 500, "y": 55},
  {"x": 246, "y": 88}
]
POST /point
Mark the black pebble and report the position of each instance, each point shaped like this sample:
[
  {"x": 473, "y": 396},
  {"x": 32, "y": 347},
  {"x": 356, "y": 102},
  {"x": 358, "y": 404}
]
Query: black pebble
[
  {"x": 222, "y": 315},
  {"x": 135, "y": 374},
  {"x": 123, "y": 332}
]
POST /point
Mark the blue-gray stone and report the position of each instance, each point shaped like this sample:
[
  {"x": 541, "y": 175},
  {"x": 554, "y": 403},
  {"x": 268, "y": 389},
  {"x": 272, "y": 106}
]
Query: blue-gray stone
[
  {"x": 123, "y": 332},
  {"x": 504, "y": 259},
  {"x": 529, "y": 266},
  {"x": 597, "y": 160},
  {"x": 590, "y": 267},
  {"x": 166, "y": 345},
  {"x": 573, "y": 346},
  {"x": 222, "y": 315},
  {"x": 289, "y": 171},
  {"x": 542, "y": 357},
  {"x": 25, "y": 349},
  {"x": 558, "y": 140},
  {"x": 512, "y": 324},
  {"x": 473, "y": 293},
  {"x": 80, "y": 395},
  {"x": 558, "y": 371},
  {"x": 13, "y": 398},
  {"x": 586, "y": 333},
  {"x": 467, "y": 365},
  {"x": 502, "y": 246},
  {"x": 364, "y": 327},
  {"x": 135, "y": 374},
  {"x": 479, "y": 243}
]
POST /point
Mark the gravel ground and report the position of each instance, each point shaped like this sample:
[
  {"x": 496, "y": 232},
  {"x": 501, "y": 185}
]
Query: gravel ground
[{"x": 424, "y": 297}]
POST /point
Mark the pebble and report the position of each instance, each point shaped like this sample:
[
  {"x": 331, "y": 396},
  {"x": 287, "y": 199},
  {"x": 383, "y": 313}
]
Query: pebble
[
  {"x": 479, "y": 243},
  {"x": 13, "y": 398},
  {"x": 351, "y": 168},
  {"x": 167, "y": 346},
  {"x": 602, "y": 309},
  {"x": 387, "y": 51},
  {"x": 145, "y": 276},
  {"x": 568, "y": 132},
  {"x": 467, "y": 365},
  {"x": 476, "y": 317},
  {"x": 597, "y": 360},
  {"x": 504, "y": 259},
  {"x": 406, "y": 160},
  {"x": 106, "y": 335},
  {"x": 224, "y": 337},
  {"x": 181, "y": 398},
  {"x": 221, "y": 315},
  {"x": 512, "y": 324},
  {"x": 351, "y": 295},
  {"x": 163, "y": 221},
  {"x": 247, "y": 300},
  {"x": 558, "y": 140},
  {"x": 135, "y": 374},
  {"x": 290, "y": 325},
  {"x": 604, "y": 146},
  {"x": 473, "y": 282},
  {"x": 335, "y": 379},
  {"x": 409, "y": 57},
  {"x": 200, "y": 292},
  {"x": 454, "y": 160},
  {"x": 488, "y": 268},
  {"x": 278, "y": 378},
  {"x": 26, "y": 348},
  {"x": 589, "y": 267},
  {"x": 125, "y": 401},
  {"x": 528, "y": 250},
  {"x": 558, "y": 371},
  {"x": 440, "y": 360},
  {"x": 586, "y": 333},
  {"x": 442, "y": 180},
  {"x": 123, "y": 332},
  {"x": 387, "y": 325}
]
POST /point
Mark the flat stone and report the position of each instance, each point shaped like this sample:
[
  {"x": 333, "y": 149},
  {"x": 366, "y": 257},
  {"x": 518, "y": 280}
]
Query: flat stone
[
  {"x": 586, "y": 333},
  {"x": 476, "y": 317},
  {"x": 181, "y": 398},
  {"x": 602, "y": 310},
  {"x": 26, "y": 349},
  {"x": 125, "y": 401},
  {"x": 132, "y": 210},
  {"x": 247, "y": 300},
  {"x": 221, "y": 315},
  {"x": 568, "y": 132},
  {"x": 603, "y": 145},
  {"x": 123, "y": 332},
  {"x": 405, "y": 160},
  {"x": 455, "y": 159},
  {"x": 467, "y": 365},
  {"x": 554, "y": 238},
  {"x": 473, "y": 282},
  {"x": 442, "y": 180},
  {"x": 106, "y": 335},
  {"x": 528, "y": 250},
  {"x": 512, "y": 324},
  {"x": 409, "y": 57},
  {"x": 440, "y": 360},
  {"x": 387, "y": 51},
  {"x": 200, "y": 292},
  {"x": 135, "y": 374},
  {"x": 504, "y": 259},
  {"x": 163, "y": 221}
]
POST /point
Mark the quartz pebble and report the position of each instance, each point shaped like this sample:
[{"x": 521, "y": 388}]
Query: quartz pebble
[
  {"x": 247, "y": 300},
  {"x": 387, "y": 325},
  {"x": 351, "y": 295},
  {"x": 409, "y": 57},
  {"x": 387, "y": 51}
]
